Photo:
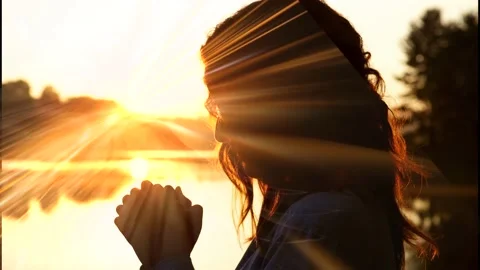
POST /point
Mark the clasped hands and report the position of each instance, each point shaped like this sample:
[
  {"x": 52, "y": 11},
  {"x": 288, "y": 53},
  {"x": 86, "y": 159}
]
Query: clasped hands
[{"x": 160, "y": 223}]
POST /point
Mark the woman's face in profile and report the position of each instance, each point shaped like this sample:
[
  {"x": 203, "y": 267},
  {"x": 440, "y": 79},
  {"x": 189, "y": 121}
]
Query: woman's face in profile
[{"x": 225, "y": 133}]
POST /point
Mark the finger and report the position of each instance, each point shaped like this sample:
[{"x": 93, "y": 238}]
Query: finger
[
  {"x": 119, "y": 209},
  {"x": 146, "y": 185},
  {"x": 134, "y": 191},
  {"x": 177, "y": 221},
  {"x": 130, "y": 212},
  {"x": 169, "y": 190},
  {"x": 182, "y": 199},
  {"x": 124, "y": 212},
  {"x": 125, "y": 199},
  {"x": 170, "y": 199},
  {"x": 196, "y": 219},
  {"x": 158, "y": 189},
  {"x": 143, "y": 221},
  {"x": 159, "y": 194},
  {"x": 173, "y": 209},
  {"x": 170, "y": 203}
]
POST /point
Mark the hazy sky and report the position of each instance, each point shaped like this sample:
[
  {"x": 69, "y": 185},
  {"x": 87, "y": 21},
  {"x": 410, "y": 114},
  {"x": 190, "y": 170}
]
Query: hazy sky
[{"x": 144, "y": 53}]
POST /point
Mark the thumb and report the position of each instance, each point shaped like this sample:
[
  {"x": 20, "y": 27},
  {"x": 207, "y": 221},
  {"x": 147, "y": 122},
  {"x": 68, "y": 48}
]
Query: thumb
[{"x": 196, "y": 217}]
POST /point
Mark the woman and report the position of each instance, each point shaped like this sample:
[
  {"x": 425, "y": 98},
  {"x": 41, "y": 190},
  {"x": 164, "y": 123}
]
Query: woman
[{"x": 298, "y": 108}]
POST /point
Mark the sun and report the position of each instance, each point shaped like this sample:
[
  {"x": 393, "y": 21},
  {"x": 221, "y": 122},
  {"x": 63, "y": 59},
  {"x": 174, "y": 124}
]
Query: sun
[{"x": 139, "y": 168}]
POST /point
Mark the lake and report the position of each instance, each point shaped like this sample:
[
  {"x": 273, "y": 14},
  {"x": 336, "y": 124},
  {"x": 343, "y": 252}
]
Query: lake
[{"x": 74, "y": 234}]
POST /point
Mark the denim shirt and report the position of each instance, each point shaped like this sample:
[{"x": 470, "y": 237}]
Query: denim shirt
[{"x": 324, "y": 230}]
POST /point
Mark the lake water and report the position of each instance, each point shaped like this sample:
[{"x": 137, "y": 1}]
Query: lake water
[{"x": 81, "y": 235}]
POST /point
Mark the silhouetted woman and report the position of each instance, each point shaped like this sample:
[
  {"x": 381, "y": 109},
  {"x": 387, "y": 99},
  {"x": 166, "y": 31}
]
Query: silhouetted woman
[{"x": 299, "y": 108}]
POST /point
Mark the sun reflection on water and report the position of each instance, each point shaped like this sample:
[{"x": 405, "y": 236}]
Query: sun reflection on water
[{"x": 139, "y": 169}]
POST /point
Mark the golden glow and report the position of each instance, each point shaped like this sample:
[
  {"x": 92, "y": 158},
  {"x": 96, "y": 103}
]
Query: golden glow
[
  {"x": 139, "y": 168},
  {"x": 86, "y": 135},
  {"x": 112, "y": 119}
]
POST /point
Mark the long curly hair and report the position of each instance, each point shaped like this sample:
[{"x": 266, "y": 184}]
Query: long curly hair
[{"x": 375, "y": 127}]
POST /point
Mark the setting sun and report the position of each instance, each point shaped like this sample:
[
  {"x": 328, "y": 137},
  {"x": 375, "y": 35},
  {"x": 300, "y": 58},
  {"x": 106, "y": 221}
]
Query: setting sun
[{"x": 139, "y": 168}]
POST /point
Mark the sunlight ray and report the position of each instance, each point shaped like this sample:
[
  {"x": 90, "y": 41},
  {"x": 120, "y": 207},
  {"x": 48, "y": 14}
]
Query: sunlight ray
[{"x": 241, "y": 37}]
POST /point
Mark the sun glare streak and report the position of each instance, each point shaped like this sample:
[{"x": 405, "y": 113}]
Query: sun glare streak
[
  {"x": 319, "y": 256},
  {"x": 29, "y": 183},
  {"x": 227, "y": 35},
  {"x": 225, "y": 52},
  {"x": 60, "y": 147},
  {"x": 12, "y": 121},
  {"x": 45, "y": 130},
  {"x": 315, "y": 152},
  {"x": 46, "y": 136},
  {"x": 327, "y": 58},
  {"x": 59, "y": 159}
]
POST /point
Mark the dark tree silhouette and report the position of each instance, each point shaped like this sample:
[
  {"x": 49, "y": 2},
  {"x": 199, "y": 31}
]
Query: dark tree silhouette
[
  {"x": 49, "y": 96},
  {"x": 16, "y": 94},
  {"x": 88, "y": 105},
  {"x": 442, "y": 76},
  {"x": 17, "y": 112}
]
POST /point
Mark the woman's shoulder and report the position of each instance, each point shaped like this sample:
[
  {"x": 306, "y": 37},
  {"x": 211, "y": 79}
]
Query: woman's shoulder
[
  {"x": 339, "y": 223},
  {"x": 326, "y": 211}
]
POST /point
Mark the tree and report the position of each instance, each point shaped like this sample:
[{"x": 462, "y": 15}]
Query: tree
[
  {"x": 49, "y": 96},
  {"x": 442, "y": 75},
  {"x": 15, "y": 93},
  {"x": 17, "y": 112},
  {"x": 86, "y": 105}
]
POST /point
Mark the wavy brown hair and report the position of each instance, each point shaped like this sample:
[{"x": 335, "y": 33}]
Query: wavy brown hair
[{"x": 380, "y": 130}]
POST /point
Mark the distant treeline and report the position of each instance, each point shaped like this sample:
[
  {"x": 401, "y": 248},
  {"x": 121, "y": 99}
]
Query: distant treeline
[{"x": 24, "y": 115}]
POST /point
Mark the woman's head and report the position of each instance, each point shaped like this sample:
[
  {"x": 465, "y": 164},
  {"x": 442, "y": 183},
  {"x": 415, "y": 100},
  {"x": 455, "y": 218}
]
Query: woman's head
[
  {"x": 277, "y": 80},
  {"x": 272, "y": 71}
]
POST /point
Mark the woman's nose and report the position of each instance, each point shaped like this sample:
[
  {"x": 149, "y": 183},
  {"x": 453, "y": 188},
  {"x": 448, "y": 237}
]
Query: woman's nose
[{"x": 220, "y": 132}]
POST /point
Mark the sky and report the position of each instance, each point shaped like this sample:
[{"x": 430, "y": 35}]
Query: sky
[{"x": 144, "y": 53}]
